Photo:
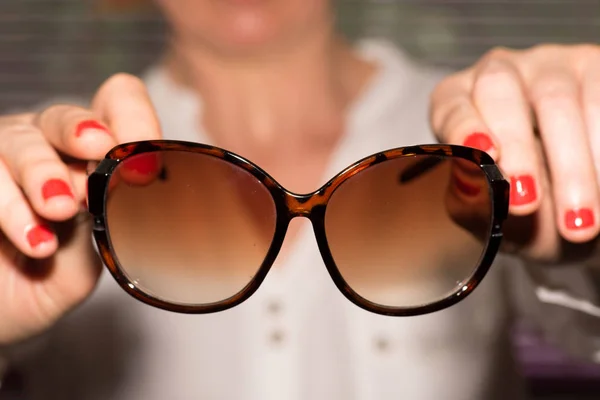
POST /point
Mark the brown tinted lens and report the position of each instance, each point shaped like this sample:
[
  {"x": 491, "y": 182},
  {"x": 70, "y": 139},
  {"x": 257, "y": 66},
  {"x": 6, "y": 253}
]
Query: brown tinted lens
[
  {"x": 410, "y": 231},
  {"x": 188, "y": 228}
]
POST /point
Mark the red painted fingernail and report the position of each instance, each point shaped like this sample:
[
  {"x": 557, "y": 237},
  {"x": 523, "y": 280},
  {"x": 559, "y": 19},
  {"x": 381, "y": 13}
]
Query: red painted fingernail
[
  {"x": 142, "y": 164},
  {"x": 89, "y": 125},
  {"x": 479, "y": 141},
  {"x": 522, "y": 190},
  {"x": 56, "y": 187},
  {"x": 466, "y": 188},
  {"x": 579, "y": 218},
  {"x": 39, "y": 234}
]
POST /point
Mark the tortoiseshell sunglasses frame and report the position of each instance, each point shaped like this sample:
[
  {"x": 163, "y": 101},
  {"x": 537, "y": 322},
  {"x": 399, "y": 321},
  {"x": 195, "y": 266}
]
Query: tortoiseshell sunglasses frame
[{"x": 290, "y": 205}]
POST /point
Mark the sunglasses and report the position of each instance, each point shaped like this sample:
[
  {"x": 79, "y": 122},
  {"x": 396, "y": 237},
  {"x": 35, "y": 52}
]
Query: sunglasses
[{"x": 192, "y": 228}]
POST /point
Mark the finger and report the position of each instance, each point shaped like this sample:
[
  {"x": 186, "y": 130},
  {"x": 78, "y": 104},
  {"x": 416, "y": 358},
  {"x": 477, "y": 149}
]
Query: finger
[
  {"x": 590, "y": 96},
  {"x": 123, "y": 102},
  {"x": 455, "y": 119},
  {"x": 535, "y": 235},
  {"x": 68, "y": 285},
  {"x": 556, "y": 100},
  {"x": 141, "y": 169},
  {"x": 36, "y": 167},
  {"x": 467, "y": 198},
  {"x": 76, "y": 132},
  {"x": 19, "y": 223},
  {"x": 79, "y": 178},
  {"x": 500, "y": 99}
]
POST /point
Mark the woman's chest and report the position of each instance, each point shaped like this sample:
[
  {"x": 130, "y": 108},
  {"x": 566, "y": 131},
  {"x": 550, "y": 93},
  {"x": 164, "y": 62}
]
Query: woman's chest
[{"x": 297, "y": 337}]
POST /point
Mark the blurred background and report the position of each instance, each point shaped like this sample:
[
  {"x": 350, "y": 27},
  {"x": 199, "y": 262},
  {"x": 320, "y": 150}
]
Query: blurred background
[
  {"x": 70, "y": 46},
  {"x": 67, "y": 47}
]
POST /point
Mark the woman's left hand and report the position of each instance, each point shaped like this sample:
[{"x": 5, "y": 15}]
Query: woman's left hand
[{"x": 537, "y": 113}]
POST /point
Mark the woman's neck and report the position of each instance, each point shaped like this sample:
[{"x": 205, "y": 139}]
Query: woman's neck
[{"x": 264, "y": 105}]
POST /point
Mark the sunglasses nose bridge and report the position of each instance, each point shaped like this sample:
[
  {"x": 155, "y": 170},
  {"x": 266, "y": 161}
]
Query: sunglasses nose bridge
[{"x": 302, "y": 205}]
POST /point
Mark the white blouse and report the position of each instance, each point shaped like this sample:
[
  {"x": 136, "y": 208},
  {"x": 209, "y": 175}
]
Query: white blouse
[{"x": 297, "y": 337}]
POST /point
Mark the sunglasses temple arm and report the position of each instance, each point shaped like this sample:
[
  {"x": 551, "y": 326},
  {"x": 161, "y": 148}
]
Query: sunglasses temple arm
[{"x": 90, "y": 168}]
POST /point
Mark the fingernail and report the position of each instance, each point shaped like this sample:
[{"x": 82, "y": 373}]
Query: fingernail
[
  {"x": 479, "y": 141},
  {"x": 579, "y": 218},
  {"x": 89, "y": 127},
  {"x": 38, "y": 235},
  {"x": 56, "y": 187},
  {"x": 142, "y": 164},
  {"x": 522, "y": 190}
]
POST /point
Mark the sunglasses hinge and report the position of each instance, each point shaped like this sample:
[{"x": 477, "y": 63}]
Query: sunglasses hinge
[
  {"x": 99, "y": 223},
  {"x": 493, "y": 172},
  {"x": 106, "y": 166}
]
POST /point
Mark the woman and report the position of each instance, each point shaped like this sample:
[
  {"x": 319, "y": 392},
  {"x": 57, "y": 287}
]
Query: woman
[{"x": 227, "y": 79}]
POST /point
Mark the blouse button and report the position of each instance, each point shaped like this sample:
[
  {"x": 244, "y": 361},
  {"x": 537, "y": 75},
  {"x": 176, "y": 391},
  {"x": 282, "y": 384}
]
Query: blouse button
[
  {"x": 276, "y": 337},
  {"x": 382, "y": 344},
  {"x": 274, "y": 307}
]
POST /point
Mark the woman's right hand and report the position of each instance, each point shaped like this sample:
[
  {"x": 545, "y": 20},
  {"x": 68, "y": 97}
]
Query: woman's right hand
[{"x": 47, "y": 261}]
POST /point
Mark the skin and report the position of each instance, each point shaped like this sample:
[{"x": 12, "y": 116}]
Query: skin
[{"x": 244, "y": 58}]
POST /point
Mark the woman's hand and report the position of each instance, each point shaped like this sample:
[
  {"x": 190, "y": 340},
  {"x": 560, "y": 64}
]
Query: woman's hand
[
  {"x": 537, "y": 113},
  {"x": 47, "y": 262}
]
